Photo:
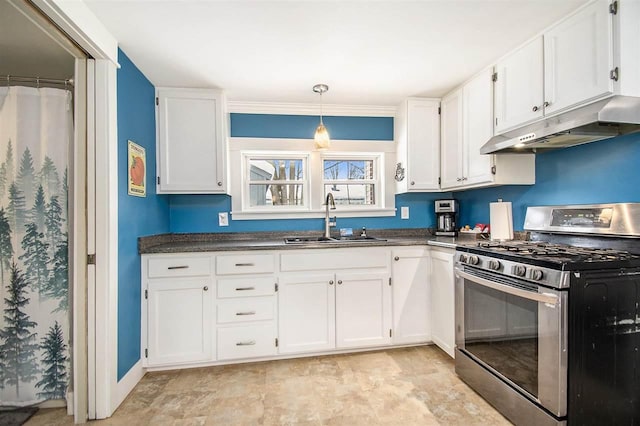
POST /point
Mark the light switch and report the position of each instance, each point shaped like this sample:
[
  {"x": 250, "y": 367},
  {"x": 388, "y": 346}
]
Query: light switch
[
  {"x": 223, "y": 219},
  {"x": 404, "y": 212}
]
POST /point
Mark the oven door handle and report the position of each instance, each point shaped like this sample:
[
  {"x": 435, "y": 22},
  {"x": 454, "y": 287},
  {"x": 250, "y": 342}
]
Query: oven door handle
[{"x": 550, "y": 299}]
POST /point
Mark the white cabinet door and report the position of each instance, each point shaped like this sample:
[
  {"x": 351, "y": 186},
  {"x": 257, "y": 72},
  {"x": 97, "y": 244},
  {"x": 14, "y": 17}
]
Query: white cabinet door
[
  {"x": 306, "y": 313},
  {"x": 191, "y": 141},
  {"x": 477, "y": 118},
  {"x": 411, "y": 295},
  {"x": 442, "y": 300},
  {"x": 451, "y": 142},
  {"x": 179, "y": 320},
  {"x": 363, "y": 310},
  {"x": 519, "y": 87},
  {"x": 578, "y": 56},
  {"x": 418, "y": 138}
]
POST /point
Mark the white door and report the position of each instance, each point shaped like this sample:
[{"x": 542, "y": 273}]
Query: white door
[
  {"x": 363, "y": 310},
  {"x": 578, "y": 56},
  {"x": 519, "y": 87},
  {"x": 442, "y": 300},
  {"x": 477, "y": 118},
  {"x": 411, "y": 295},
  {"x": 191, "y": 147},
  {"x": 306, "y": 313},
  {"x": 423, "y": 144},
  {"x": 451, "y": 142},
  {"x": 179, "y": 323}
]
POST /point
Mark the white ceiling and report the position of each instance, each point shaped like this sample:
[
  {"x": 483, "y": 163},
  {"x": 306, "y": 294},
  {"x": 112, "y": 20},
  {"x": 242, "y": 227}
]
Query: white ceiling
[{"x": 368, "y": 52}]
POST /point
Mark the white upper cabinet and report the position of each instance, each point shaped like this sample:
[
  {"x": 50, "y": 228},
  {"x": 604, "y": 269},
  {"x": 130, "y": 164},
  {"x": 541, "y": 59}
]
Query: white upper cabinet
[
  {"x": 578, "y": 57},
  {"x": 191, "y": 157},
  {"x": 417, "y": 129},
  {"x": 519, "y": 87},
  {"x": 451, "y": 142}
]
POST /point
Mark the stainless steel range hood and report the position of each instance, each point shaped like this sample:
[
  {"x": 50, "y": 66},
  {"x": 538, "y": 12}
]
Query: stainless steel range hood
[{"x": 603, "y": 119}]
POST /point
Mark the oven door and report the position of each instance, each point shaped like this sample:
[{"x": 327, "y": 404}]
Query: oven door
[{"x": 516, "y": 330}]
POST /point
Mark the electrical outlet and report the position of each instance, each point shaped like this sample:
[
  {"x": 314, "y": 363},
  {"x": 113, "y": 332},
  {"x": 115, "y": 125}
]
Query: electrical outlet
[
  {"x": 223, "y": 219},
  {"x": 404, "y": 212}
]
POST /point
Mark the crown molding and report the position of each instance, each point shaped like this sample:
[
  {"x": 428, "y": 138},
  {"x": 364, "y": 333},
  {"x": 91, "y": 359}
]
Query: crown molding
[{"x": 310, "y": 109}]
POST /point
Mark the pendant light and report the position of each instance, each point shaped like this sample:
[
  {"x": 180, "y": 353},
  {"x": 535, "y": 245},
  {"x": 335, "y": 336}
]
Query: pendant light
[{"x": 321, "y": 137}]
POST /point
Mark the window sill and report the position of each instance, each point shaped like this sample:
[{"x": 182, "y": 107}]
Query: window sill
[{"x": 313, "y": 214}]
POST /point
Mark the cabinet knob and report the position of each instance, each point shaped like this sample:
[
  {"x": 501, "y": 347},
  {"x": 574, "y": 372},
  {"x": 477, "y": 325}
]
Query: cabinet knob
[
  {"x": 546, "y": 104},
  {"x": 464, "y": 178},
  {"x": 331, "y": 282},
  {"x": 219, "y": 183},
  {"x": 205, "y": 288},
  {"x": 396, "y": 258},
  {"x": 458, "y": 179},
  {"x": 535, "y": 108},
  {"x": 413, "y": 183},
  {"x": 339, "y": 282}
]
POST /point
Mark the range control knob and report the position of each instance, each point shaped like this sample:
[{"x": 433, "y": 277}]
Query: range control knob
[
  {"x": 474, "y": 260},
  {"x": 463, "y": 258},
  {"x": 494, "y": 265},
  {"x": 519, "y": 270},
  {"x": 536, "y": 274}
]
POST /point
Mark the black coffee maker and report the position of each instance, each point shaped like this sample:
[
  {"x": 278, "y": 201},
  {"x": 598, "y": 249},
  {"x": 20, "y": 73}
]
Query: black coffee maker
[{"x": 446, "y": 214}]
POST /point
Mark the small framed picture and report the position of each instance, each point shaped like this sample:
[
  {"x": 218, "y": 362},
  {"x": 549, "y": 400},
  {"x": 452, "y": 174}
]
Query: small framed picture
[{"x": 137, "y": 170}]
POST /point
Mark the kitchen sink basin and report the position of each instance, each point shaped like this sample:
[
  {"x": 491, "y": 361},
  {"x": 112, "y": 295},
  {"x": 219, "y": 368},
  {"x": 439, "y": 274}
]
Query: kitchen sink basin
[{"x": 324, "y": 240}]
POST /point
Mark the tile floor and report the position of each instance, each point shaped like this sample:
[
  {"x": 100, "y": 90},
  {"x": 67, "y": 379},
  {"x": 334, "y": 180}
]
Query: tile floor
[{"x": 407, "y": 386}]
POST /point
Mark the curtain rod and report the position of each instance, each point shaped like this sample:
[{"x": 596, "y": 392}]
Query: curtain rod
[{"x": 37, "y": 80}]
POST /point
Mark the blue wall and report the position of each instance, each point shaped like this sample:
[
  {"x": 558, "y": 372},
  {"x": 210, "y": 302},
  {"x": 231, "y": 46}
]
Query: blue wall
[
  {"x": 600, "y": 172},
  {"x": 136, "y": 216},
  {"x": 199, "y": 213}
]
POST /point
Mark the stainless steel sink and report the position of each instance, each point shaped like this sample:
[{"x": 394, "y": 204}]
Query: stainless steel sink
[{"x": 324, "y": 240}]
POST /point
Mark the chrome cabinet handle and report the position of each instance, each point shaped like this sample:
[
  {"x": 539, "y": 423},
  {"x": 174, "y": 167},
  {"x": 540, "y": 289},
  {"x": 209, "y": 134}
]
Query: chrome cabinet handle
[
  {"x": 245, "y": 264},
  {"x": 413, "y": 183},
  {"x": 245, "y": 288},
  {"x": 458, "y": 179},
  {"x": 219, "y": 183},
  {"x": 178, "y": 267},
  {"x": 330, "y": 282},
  {"x": 396, "y": 258},
  {"x": 205, "y": 288},
  {"x": 339, "y": 282},
  {"x": 535, "y": 108},
  {"x": 464, "y": 178},
  {"x": 546, "y": 104},
  {"x": 248, "y": 343},
  {"x": 246, "y": 313}
]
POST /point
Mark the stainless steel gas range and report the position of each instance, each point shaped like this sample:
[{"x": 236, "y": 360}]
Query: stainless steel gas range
[{"x": 548, "y": 330}]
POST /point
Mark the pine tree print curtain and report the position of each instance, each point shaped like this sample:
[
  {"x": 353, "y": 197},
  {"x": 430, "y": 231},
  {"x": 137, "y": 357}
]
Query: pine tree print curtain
[{"x": 35, "y": 136}]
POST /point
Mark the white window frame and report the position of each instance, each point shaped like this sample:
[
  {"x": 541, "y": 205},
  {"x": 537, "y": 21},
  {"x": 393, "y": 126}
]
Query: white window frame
[
  {"x": 241, "y": 148},
  {"x": 247, "y": 156},
  {"x": 378, "y": 161}
]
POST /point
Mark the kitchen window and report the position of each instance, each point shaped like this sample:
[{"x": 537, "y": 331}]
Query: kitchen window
[{"x": 352, "y": 180}]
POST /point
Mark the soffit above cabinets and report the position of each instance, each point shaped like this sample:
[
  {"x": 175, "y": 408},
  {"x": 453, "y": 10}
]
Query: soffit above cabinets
[{"x": 369, "y": 52}]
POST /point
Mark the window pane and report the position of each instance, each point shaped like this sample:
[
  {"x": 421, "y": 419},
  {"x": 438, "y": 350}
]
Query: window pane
[
  {"x": 275, "y": 195},
  {"x": 275, "y": 169},
  {"x": 348, "y": 169},
  {"x": 352, "y": 194}
]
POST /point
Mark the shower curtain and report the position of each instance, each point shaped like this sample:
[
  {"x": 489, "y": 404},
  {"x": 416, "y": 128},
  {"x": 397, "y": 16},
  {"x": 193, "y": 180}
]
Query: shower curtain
[{"x": 35, "y": 136}]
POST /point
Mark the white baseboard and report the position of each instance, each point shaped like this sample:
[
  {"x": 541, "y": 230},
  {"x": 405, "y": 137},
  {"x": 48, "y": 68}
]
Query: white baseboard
[
  {"x": 127, "y": 383},
  {"x": 53, "y": 403}
]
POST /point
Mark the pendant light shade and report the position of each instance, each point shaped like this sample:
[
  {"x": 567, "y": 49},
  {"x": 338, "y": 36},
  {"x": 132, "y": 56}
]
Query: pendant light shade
[{"x": 321, "y": 137}]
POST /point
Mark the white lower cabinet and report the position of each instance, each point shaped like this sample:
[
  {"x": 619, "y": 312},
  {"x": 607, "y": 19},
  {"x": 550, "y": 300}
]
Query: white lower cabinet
[
  {"x": 249, "y": 341},
  {"x": 442, "y": 299},
  {"x": 411, "y": 295},
  {"x": 179, "y": 321}
]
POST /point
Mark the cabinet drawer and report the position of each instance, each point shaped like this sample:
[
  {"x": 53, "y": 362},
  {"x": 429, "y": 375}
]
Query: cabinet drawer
[
  {"x": 246, "y": 309},
  {"x": 246, "y": 286},
  {"x": 323, "y": 260},
  {"x": 175, "y": 266},
  {"x": 246, "y": 341},
  {"x": 244, "y": 264}
]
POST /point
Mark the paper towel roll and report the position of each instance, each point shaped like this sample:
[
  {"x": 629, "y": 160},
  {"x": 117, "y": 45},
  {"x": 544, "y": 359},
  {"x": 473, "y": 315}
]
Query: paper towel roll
[{"x": 501, "y": 219}]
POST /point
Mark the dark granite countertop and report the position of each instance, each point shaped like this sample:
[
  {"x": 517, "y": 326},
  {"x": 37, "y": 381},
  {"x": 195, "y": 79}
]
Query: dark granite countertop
[{"x": 207, "y": 242}]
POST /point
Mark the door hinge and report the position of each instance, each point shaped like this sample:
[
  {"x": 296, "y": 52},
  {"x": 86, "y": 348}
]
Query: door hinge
[
  {"x": 146, "y": 294},
  {"x": 439, "y": 110},
  {"x": 613, "y": 8},
  {"x": 146, "y": 353},
  {"x": 158, "y": 180},
  {"x": 157, "y": 100},
  {"x": 276, "y": 342},
  {"x": 91, "y": 259},
  {"x": 439, "y": 180},
  {"x": 390, "y": 333},
  {"x": 389, "y": 280},
  {"x": 493, "y": 170},
  {"x": 614, "y": 74},
  {"x": 276, "y": 287},
  {"x": 494, "y": 77},
  {"x": 496, "y": 121}
]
